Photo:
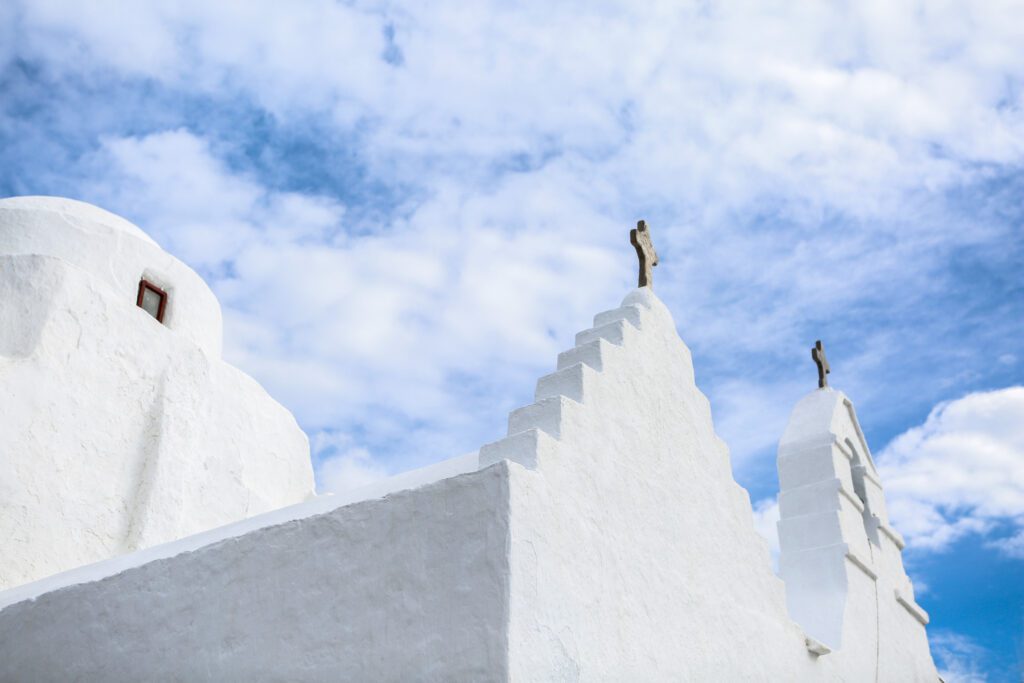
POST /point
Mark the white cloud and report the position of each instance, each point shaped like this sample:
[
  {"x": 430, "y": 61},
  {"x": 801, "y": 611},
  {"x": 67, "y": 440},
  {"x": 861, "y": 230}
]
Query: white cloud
[
  {"x": 1012, "y": 545},
  {"x": 961, "y": 472},
  {"x": 732, "y": 102},
  {"x": 520, "y": 145},
  {"x": 766, "y": 519},
  {"x": 958, "y": 658},
  {"x": 310, "y": 54},
  {"x": 371, "y": 331},
  {"x": 350, "y": 470}
]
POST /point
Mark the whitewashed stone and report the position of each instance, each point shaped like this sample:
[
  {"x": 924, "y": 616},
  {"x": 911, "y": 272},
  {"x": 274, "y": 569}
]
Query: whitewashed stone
[
  {"x": 118, "y": 432},
  {"x": 840, "y": 558},
  {"x": 603, "y": 539}
]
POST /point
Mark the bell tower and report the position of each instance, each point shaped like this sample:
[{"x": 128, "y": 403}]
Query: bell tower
[{"x": 840, "y": 559}]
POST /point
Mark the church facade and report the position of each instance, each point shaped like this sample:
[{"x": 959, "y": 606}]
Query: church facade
[{"x": 603, "y": 538}]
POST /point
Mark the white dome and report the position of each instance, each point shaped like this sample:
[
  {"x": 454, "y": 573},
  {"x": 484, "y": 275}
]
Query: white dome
[
  {"x": 120, "y": 427},
  {"x": 114, "y": 252},
  {"x": 82, "y": 215}
]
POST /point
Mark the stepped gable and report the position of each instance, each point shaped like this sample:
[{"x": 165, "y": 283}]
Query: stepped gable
[
  {"x": 607, "y": 344},
  {"x": 631, "y": 541}
]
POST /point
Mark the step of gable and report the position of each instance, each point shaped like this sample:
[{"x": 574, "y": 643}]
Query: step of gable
[
  {"x": 616, "y": 332},
  {"x": 592, "y": 353},
  {"x": 630, "y": 313},
  {"x": 526, "y": 448},
  {"x": 545, "y": 415},
  {"x": 570, "y": 382}
]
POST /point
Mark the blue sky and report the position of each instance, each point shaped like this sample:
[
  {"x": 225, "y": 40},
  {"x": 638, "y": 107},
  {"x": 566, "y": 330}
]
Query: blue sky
[{"x": 407, "y": 210}]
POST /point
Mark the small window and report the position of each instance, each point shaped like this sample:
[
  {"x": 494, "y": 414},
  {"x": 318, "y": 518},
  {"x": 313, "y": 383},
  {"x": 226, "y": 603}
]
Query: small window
[{"x": 152, "y": 299}]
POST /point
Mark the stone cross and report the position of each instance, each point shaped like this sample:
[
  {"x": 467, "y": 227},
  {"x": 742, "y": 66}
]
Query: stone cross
[
  {"x": 640, "y": 237},
  {"x": 818, "y": 354}
]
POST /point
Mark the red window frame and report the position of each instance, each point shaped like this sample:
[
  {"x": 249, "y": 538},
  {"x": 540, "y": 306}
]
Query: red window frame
[{"x": 145, "y": 284}]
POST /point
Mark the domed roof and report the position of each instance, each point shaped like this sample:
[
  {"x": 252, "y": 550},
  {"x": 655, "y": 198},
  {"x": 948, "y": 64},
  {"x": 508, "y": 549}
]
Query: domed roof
[
  {"x": 81, "y": 214},
  {"x": 113, "y": 252}
]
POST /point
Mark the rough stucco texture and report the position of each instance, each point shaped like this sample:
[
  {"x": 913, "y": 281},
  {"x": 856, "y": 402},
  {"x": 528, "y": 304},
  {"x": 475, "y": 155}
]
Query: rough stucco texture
[
  {"x": 118, "y": 432},
  {"x": 634, "y": 555},
  {"x": 603, "y": 539},
  {"x": 841, "y": 559},
  {"x": 409, "y": 587},
  {"x": 115, "y": 253}
]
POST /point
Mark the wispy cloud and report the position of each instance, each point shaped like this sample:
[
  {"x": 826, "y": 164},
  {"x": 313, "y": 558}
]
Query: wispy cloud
[
  {"x": 958, "y": 657},
  {"x": 376, "y": 334},
  {"x": 407, "y": 211},
  {"x": 341, "y": 466}
]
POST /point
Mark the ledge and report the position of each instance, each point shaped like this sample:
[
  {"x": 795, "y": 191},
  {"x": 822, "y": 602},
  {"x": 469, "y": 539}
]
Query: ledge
[
  {"x": 842, "y": 448},
  {"x": 318, "y": 505},
  {"x": 861, "y": 564},
  {"x": 868, "y": 474},
  {"x": 873, "y": 479},
  {"x": 793, "y": 449},
  {"x": 915, "y": 610},
  {"x": 895, "y": 536},
  {"x": 815, "y": 647},
  {"x": 850, "y": 497}
]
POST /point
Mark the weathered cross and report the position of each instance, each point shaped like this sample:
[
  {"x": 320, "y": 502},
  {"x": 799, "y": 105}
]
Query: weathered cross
[
  {"x": 818, "y": 354},
  {"x": 640, "y": 237}
]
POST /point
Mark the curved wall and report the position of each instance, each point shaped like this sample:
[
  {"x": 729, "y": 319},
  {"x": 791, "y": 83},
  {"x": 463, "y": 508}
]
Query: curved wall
[
  {"x": 118, "y": 432},
  {"x": 116, "y": 253}
]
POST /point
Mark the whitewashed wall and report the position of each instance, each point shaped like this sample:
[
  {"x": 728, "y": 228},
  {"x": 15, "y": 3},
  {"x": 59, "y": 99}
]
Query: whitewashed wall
[
  {"x": 634, "y": 555},
  {"x": 118, "y": 432},
  {"x": 116, "y": 254},
  {"x": 603, "y": 539},
  {"x": 841, "y": 558},
  {"x": 405, "y": 588}
]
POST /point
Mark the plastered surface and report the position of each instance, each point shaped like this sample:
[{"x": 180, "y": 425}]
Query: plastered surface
[
  {"x": 407, "y": 587},
  {"x": 634, "y": 555},
  {"x": 116, "y": 254},
  {"x": 118, "y": 432},
  {"x": 317, "y": 505},
  {"x": 840, "y": 557},
  {"x": 603, "y": 538},
  {"x": 633, "y": 550}
]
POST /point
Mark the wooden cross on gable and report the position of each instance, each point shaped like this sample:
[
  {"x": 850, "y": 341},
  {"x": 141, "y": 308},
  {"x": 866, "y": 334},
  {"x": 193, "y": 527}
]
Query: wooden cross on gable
[
  {"x": 640, "y": 237},
  {"x": 818, "y": 354}
]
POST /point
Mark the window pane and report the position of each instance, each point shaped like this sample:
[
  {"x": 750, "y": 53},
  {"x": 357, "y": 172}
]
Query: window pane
[{"x": 151, "y": 302}]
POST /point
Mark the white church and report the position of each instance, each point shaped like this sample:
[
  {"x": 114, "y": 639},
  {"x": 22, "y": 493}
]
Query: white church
[{"x": 158, "y": 520}]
